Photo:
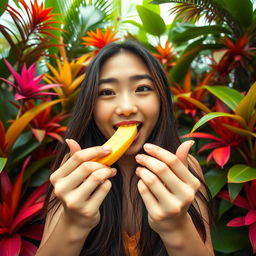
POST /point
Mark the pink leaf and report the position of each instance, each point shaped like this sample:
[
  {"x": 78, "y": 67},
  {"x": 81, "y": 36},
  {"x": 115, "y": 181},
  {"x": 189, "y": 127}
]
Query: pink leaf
[
  {"x": 28, "y": 249},
  {"x": 250, "y": 217},
  {"x": 237, "y": 222},
  {"x": 221, "y": 155},
  {"x": 10, "y": 246},
  {"x": 252, "y": 236}
]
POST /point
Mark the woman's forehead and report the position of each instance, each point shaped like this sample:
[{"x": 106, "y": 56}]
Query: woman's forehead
[{"x": 124, "y": 63}]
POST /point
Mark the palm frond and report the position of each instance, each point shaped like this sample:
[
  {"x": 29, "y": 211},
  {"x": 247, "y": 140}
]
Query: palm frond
[
  {"x": 192, "y": 10},
  {"x": 81, "y": 16}
]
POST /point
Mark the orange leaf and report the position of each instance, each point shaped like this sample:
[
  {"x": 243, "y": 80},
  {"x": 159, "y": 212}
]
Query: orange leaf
[{"x": 19, "y": 125}]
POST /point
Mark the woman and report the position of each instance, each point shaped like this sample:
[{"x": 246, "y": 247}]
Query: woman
[{"x": 149, "y": 202}]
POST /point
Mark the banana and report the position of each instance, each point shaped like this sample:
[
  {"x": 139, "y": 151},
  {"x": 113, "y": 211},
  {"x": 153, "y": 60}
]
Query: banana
[{"x": 120, "y": 142}]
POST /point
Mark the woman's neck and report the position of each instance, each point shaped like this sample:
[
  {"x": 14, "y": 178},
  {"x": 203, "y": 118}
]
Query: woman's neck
[{"x": 127, "y": 165}]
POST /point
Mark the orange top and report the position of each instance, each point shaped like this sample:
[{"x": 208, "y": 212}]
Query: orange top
[{"x": 130, "y": 243}]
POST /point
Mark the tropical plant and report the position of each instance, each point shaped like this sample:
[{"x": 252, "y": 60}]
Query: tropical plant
[
  {"x": 230, "y": 30},
  {"x": 16, "y": 228},
  {"x": 211, "y": 70}
]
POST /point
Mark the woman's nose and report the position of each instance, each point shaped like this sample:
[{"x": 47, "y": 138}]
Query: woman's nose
[{"x": 126, "y": 106}]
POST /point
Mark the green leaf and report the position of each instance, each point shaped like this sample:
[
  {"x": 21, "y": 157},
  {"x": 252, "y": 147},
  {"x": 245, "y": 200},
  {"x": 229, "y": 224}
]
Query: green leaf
[
  {"x": 241, "y": 173},
  {"x": 215, "y": 179},
  {"x": 234, "y": 189},
  {"x": 247, "y": 105},
  {"x": 229, "y": 239},
  {"x": 153, "y": 7},
  {"x": 227, "y": 95},
  {"x": 152, "y": 22},
  {"x": 2, "y": 5},
  {"x": 224, "y": 206},
  {"x": 241, "y": 10},
  {"x": 3, "y": 161},
  {"x": 240, "y": 131},
  {"x": 37, "y": 166},
  {"x": 179, "y": 71},
  {"x": 184, "y": 32},
  {"x": 213, "y": 115}
]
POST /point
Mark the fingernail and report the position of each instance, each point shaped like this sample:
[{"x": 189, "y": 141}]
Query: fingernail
[
  {"x": 148, "y": 146},
  {"x": 107, "y": 148},
  {"x": 67, "y": 141},
  {"x": 138, "y": 157},
  {"x": 192, "y": 142},
  {"x": 114, "y": 170}
]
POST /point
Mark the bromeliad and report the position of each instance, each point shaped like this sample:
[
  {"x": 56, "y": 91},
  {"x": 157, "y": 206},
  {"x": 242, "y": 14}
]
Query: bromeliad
[
  {"x": 99, "y": 39},
  {"x": 16, "y": 231},
  {"x": 27, "y": 85}
]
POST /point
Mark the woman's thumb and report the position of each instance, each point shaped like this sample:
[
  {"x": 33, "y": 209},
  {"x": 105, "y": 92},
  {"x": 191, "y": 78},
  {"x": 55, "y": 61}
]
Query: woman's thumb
[
  {"x": 73, "y": 146},
  {"x": 183, "y": 150}
]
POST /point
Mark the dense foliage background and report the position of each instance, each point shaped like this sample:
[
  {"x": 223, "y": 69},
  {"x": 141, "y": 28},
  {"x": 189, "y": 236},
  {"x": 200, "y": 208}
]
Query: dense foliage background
[{"x": 45, "y": 48}]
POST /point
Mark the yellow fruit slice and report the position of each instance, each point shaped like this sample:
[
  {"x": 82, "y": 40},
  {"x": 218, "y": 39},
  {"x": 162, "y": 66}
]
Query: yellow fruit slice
[{"x": 120, "y": 142}]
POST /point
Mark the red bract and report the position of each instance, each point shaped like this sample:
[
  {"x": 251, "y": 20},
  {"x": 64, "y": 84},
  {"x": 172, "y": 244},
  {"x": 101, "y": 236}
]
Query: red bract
[
  {"x": 186, "y": 93},
  {"x": 249, "y": 203},
  {"x": 27, "y": 85},
  {"x": 39, "y": 17},
  {"x": 15, "y": 233},
  {"x": 99, "y": 39},
  {"x": 43, "y": 124},
  {"x": 165, "y": 54},
  {"x": 223, "y": 143},
  {"x": 235, "y": 54}
]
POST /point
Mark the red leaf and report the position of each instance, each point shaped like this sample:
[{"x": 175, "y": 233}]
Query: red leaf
[
  {"x": 10, "y": 246},
  {"x": 237, "y": 222},
  {"x": 239, "y": 201},
  {"x": 209, "y": 146},
  {"x": 37, "y": 193},
  {"x": 33, "y": 231},
  {"x": 202, "y": 135},
  {"x": 4, "y": 230},
  {"x": 25, "y": 215},
  {"x": 16, "y": 192},
  {"x": 28, "y": 249},
  {"x": 221, "y": 155},
  {"x": 5, "y": 186},
  {"x": 252, "y": 236},
  {"x": 250, "y": 217}
]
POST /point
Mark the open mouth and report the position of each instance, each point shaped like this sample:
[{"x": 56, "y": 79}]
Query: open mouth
[{"x": 139, "y": 125}]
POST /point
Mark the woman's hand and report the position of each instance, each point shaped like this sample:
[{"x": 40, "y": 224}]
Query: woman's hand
[
  {"x": 166, "y": 186},
  {"x": 81, "y": 184}
]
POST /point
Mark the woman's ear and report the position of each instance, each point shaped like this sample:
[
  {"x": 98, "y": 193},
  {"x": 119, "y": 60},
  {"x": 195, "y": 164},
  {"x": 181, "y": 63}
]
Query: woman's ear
[{"x": 183, "y": 151}]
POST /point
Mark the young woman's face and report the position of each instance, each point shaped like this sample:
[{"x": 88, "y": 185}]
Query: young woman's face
[{"x": 126, "y": 95}]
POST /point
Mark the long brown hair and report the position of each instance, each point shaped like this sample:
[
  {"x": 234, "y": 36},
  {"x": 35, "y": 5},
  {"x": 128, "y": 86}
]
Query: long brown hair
[{"x": 106, "y": 238}]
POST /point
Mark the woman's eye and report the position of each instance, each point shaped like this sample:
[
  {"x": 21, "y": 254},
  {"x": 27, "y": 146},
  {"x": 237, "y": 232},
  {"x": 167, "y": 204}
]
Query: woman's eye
[
  {"x": 143, "y": 88},
  {"x": 106, "y": 92}
]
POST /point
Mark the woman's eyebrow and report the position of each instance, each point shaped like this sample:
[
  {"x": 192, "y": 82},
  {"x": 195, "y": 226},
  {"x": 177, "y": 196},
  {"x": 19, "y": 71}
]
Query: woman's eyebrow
[
  {"x": 141, "y": 77},
  {"x": 131, "y": 78}
]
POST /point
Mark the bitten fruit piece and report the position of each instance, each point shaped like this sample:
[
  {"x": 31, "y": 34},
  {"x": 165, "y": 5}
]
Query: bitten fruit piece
[{"x": 120, "y": 142}]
